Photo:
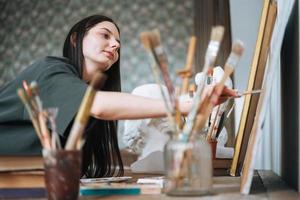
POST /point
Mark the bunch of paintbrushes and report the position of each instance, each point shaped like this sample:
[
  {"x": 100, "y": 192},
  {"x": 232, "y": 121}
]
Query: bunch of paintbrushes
[
  {"x": 209, "y": 101},
  {"x": 202, "y": 105},
  {"x": 210, "y": 58},
  {"x": 39, "y": 116}
]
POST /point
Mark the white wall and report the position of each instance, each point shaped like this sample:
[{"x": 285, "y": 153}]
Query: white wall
[{"x": 245, "y": 16}]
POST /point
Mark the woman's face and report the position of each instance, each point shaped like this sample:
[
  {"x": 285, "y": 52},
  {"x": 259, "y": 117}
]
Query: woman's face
[{"x": 100, "y": 48}]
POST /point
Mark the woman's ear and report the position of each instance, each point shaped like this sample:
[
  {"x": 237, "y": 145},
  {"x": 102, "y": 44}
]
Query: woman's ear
[{"x": 73, "y": 39}]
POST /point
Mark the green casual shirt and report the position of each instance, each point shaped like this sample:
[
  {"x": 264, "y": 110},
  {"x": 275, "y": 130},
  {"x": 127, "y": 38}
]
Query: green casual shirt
[{"x": 59, "y": 86}]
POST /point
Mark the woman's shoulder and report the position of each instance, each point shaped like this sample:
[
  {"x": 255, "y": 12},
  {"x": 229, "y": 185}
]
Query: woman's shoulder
[
  {"x": 56, "y": 59},
  {"x": 53, "y": 63}
]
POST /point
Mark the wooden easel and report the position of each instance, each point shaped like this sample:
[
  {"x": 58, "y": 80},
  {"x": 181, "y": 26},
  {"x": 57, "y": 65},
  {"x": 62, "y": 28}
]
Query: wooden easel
[{"x": 187, "y": 72}]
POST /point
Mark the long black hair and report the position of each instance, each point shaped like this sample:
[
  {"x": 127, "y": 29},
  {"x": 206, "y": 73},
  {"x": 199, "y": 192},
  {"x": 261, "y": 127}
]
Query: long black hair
[{"x": 101, "y": 154}]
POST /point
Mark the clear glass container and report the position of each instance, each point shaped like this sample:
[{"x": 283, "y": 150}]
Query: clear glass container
[{"x": 188, "y": 168}]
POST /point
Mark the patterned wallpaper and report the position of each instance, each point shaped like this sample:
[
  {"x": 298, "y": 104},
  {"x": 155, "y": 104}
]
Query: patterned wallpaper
[{"x": 31, "y": 29}]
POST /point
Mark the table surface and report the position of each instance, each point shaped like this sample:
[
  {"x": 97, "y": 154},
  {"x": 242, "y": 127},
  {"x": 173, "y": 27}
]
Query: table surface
[{"x": 266, "y": 185}]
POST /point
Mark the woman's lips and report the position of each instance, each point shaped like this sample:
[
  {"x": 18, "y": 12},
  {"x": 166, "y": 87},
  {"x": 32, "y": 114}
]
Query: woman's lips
[{"x": 110, "y": 55}]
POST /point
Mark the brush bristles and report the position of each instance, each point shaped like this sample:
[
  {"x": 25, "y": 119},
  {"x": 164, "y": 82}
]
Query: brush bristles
[
  {"x": 217, "y": 33},
  {"x": 145, "y": 39},
  {"x": 238, "y": 48},
  {"x": 235, "y": 55},
  {"x": 155, "y": 38}
]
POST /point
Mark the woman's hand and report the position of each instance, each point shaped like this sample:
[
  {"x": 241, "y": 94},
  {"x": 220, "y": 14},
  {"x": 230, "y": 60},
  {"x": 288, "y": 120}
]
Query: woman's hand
[{"x": 225, "y": 94}]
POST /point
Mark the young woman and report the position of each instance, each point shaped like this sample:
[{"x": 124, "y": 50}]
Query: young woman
[{"x": 92, "y": 44}]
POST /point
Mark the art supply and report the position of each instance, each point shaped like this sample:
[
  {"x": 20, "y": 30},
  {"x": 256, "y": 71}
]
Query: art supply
[
  {"x": 220, "y": 125},
  {"x": 146, "y": 41},
  {"x": 187, "y": 72},
  {"x": 188, "y": 167},
  {"x": 162, "y": 62},
  {"x": 224, "y": 119},
  {"x": 52, "y": 113},
  {"x": 25, "y": 99},
  {"x": 159, "y": 181},
  {"x": 75, "y": 138},
  {"x": 105, "y": 180},
  {"x": 62, "y": 174},
  {"x": 109, "y": 189},
  {"x": 215, "y": 126},
  {"x": 210, "y": 57},
  {"x": 209, "y": 102},
  {"x": 44, "y": 130},
  {"x": 239, "y": 94},
  {"x": 250, "y": 92}
]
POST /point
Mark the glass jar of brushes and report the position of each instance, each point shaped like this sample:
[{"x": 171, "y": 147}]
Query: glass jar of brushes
[{"x": 188, "y": 167}]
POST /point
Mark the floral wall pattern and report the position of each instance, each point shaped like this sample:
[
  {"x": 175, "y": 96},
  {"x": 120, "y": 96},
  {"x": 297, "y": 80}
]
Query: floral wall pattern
[{"x": 31, "y": 29}]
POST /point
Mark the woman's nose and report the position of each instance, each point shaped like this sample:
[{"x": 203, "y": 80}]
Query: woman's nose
[{"x": 115, "y": 44}]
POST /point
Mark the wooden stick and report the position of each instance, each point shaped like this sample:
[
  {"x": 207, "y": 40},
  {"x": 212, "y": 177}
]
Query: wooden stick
[
  {"x": 146, "y": 41},
  {"x": 25, "y": 100},
  {"x": 162, "y": 62},
  {"x": 44, "y": 130},
  {"x": 250, "y": 92},
  {"x": 189, "y": 64},
  {"x": 213, "y": 125}
]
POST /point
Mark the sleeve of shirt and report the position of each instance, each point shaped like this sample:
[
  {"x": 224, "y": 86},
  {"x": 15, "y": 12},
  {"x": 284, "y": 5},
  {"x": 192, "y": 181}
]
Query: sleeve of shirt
[{"x": 61, "y": 87}]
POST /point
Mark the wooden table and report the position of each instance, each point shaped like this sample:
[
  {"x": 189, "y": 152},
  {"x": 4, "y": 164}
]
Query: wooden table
[{"x": 266, "y": 185}]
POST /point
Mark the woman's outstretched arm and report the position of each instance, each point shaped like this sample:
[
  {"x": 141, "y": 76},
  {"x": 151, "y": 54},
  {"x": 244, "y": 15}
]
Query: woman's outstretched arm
[{"x": 117, "y": 105}]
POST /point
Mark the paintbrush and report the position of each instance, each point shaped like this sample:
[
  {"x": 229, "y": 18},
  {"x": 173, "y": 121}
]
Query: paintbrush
[
  {"x": 210, "y": 58},
  {"x": 239, "y": 94},
  {"x": 52, "y": 114},
  {"x": 75, "y": 137},
  {"x": 25, "y": 100},
  {"x": 220, "y": 126},
  {"x": 224, "y": 120},
  {"x": 210, "y": 101},
  {"x": 162, "y": 62},
  {"x": 44, "y": 130},
  {"x": 146, "y": 38},
  {"x": 35, "y": 94},
  {"x": 214, "y": 122},
  {"x": 219, "y": 114},
  {"x": 249, "y": 92}
]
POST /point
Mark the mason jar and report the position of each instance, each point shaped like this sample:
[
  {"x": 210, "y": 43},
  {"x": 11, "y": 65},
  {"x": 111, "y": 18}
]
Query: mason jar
[{"x": 188, "y": 168}]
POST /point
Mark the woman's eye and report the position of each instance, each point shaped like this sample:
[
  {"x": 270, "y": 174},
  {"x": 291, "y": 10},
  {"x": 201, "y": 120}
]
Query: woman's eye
[{"x": 105, "y": 35}]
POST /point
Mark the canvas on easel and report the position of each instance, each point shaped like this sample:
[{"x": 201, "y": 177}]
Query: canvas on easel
[
  {"x": 256, "y": 77},
  {"x": 266, "y": 97}
]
